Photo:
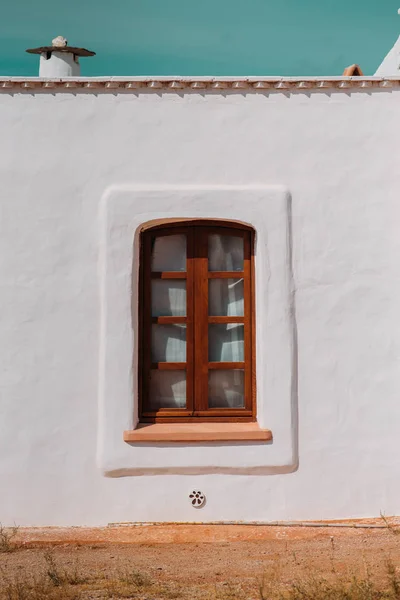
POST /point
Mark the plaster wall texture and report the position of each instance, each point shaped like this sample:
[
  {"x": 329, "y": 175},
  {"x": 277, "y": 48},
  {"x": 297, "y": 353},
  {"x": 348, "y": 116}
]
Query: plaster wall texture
[{"x": 317, "y": 175}]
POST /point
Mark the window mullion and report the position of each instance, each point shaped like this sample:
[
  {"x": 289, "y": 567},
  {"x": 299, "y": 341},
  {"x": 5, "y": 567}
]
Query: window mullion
[
  {"x": 201, "y": 320},
  {"x": 190, "y": 312}
]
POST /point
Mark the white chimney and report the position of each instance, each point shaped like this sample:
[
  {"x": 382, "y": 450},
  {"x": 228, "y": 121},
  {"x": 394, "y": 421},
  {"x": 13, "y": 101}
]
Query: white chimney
[{"x": 59, "y": 59}]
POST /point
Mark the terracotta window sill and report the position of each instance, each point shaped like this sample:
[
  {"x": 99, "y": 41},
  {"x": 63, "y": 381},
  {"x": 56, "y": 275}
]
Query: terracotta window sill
[{"x": 197, "y": 432}]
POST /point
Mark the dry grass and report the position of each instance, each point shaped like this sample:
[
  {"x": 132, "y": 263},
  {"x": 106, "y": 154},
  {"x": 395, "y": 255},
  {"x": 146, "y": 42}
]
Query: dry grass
[
  {"x": 7, "y": 538},
  {"x": 317, "y": 570},
  {"x": 55, "y": 582},
  {"x": 319, "y": 587},
  {"x": 393, "y": 527}
]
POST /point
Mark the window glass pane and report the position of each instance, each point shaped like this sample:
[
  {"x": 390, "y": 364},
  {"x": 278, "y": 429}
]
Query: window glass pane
[
  {"x": 168, "y": 343},
  {"x": 169, "y": 253},
  {"x": 225, "y": 253},
  {"x": 226, "y": 389},
  {"x": 226, "y": 297},
  {"x": 167, "y": 389},
  {"x": 226, "y": 343},
  {"x": 168, "y": 297}
]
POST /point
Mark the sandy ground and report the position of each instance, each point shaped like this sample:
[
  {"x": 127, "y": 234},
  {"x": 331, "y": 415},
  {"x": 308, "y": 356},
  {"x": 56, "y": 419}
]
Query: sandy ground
[{"x": 207, "y": 561}]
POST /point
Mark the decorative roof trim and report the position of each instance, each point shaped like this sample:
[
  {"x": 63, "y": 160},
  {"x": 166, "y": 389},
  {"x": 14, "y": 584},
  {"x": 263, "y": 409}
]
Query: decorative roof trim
[{"x": 176, "y": 84}]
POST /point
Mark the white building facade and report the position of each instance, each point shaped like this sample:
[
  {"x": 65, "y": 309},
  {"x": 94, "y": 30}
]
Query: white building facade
[{"x": 312, "y": 166}]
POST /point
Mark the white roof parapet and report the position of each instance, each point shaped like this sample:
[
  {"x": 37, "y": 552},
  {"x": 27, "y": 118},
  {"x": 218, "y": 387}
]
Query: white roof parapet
[
  {"x": 176, "y": 84},
  {"x": 391, "y": 63}
]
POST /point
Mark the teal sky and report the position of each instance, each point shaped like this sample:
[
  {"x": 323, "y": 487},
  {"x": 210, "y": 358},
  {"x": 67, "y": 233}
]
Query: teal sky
[{"x": 203, "y": 37}]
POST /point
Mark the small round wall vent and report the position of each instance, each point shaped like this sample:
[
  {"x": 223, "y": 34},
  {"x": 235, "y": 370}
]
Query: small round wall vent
[{"x": 197, "y": 499}]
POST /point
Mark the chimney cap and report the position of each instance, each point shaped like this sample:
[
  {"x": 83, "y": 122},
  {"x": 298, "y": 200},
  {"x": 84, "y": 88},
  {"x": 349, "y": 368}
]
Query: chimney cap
[{"x": 60, "y": 44}]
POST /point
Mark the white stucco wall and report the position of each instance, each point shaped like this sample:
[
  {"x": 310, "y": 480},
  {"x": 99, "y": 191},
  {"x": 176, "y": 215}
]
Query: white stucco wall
[{"x": 318, "y": 173}]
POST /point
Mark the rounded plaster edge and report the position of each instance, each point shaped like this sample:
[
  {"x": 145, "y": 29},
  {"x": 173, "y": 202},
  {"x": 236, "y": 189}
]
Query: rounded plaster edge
[
  {"x": 101, "y": 262},
  {"x": 293, "y": 333},
  {"x": 205, "y": 470},
  {"x": 112, "y": 461},
  {"x": 111, "y": 191}
]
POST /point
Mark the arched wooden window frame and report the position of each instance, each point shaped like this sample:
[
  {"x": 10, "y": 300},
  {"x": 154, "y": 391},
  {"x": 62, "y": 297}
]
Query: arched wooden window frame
[{"x": 197, "y": 320}]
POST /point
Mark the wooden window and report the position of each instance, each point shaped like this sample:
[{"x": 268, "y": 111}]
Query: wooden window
[{"x": 196, "y": 314}]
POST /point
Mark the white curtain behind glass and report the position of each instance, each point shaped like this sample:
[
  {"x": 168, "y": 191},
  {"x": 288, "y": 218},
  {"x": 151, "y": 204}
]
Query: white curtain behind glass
[
  {"x": 168, "y": 297},
  {"x": 226, "y": 343},
  {"x": 167, "y": 389},
  {"x": 225, "y": 253},
  {"x": 226, "y": 389},
  {"x": 168, "y": 343},
  {"x": 169, "y": 253},
  {"x": 226, "y": 297}
]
